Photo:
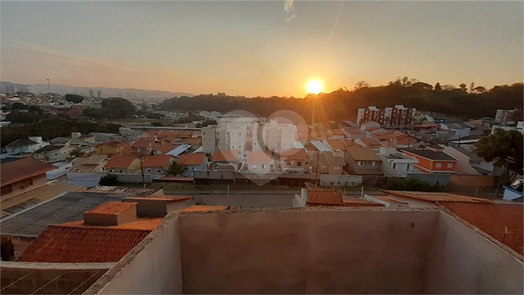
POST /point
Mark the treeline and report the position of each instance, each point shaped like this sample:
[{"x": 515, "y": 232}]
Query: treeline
[
  {"x": 468, "y": 102},
  {"x": 52, "y": 127}
]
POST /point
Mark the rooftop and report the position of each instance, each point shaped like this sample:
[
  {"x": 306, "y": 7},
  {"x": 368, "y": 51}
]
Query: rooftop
[
  {"x": 439, "y": 197},
  {"x": 431, "y": 154},
  {"x": 157, "y": 160},
  {"x": 204, "y": 208},
  {"x": 111, "y": 208},
  {"x": 21, "y": 142},
  {"x": 121, "y": 161},
  {"x": 143, "y": 142},
  {"x": 259, "y": 157},
  {"x": 49, "y": 148},
  {"x": 192, "y": 159},
  {"x": 24, "y": 168},
  {"x": 225, "y": 156},
  {"x": 294, "y": 154},
  {"x": 363, "y": 154},
  {"x": 323, "y": 197}
]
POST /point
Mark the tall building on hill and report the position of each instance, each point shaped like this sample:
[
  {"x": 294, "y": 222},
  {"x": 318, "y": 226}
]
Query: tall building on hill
[
  {"x": 91, "y": 93},
  {"x": 99, "y": 93},
  {"x": 389, "y": 117}
]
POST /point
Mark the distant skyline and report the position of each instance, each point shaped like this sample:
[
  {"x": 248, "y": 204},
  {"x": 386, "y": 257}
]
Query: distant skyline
[{"x": 260, "y": 48}]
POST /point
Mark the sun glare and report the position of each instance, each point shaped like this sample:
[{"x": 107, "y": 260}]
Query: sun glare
[{"x": 314, "y": 86}]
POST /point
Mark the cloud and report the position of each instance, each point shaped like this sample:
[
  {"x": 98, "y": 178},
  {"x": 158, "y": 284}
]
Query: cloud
[{"x": 289, "y": 8}]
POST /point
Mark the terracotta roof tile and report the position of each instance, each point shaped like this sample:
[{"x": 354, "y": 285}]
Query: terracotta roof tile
[
  {"x": 204, "y": 208},
  {"x": 156, "y": 161},
  {"x": 142, "y": 223},
  {"x": 114, "y": 143},
  {"x": 194, "y": 141},
  {"x": 337, "y": 144},
  {"x": 22, "y": 169},
  {"x": 324, "y": 197},
  {"x": 370, "y": 142},
  {"x": 121, "y": 161},
  {"x": 192, "y": 159},
  {"x": 225, "y": 156},
  {"x": 363, "y": 154},
  {"x": 165, "y": 148},
  {"x": 493, "y": 220},
  {"x": 294, "y": 154},
  {"x": 438, "y": 197},
  {"x": 143, "y": 142},
  {"x": 70, "y": 244},
  {"x": 111, "y": 208},
  {"x": 259, "y": 157}
]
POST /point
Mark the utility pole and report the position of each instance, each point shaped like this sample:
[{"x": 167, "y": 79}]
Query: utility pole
[
  {"x": 142, "y": 168},
  {"x": 48, "y": 86}
]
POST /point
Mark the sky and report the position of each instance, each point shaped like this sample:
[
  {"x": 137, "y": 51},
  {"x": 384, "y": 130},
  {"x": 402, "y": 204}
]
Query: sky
[{"x": 260, "y": 48}]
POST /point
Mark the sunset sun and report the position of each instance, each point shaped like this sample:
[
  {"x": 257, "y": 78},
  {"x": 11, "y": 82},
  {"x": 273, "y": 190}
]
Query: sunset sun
[{"x": 314, "y": 86}]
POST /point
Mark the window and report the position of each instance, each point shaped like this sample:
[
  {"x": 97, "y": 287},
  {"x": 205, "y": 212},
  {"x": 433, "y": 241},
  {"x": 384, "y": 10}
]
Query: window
[
  {"x": 299, "y": 164},
  {"x": 6, "y": 190},
  {"x": 254, "y": 166},
  {"x": 374, "y": 163},
  {"x": 148, "y": 170},
  {"x": 264, "y": 166},
  {"x": 394, "y": 165},
  {"x": 158, "y": 170},
  {"x": 450, "y": 165},
  {"x": 288, "y": 163},
  {"x": 438, "y": 165},
  {"x": 121, "y": 171},
  {"x": 360, "y": 163}
]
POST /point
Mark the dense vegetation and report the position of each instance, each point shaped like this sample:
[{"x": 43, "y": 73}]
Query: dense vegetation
[
  {"x": 52, "y": 127},
  {"x": 472, "y": 102},
  {"x": 117, "y": 108},
  {"x": 74, "y": 98}
]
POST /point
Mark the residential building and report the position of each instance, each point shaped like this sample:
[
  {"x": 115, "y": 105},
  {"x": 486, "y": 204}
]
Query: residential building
[
  {"x": 193, "y": 162},
  {"x": 456, "y": 130},
  {"x": 397, "y": 140},
  {"x": 504, "y": 116},
  {"x": 112, "y": 148},
  {"x": 129, "y": 134},
  {"x": 91, "y": 164},
  {"x": 390, "y": 117},
  {"x": 518, "y": 128},
  {"x": 163, "y": 149},
  {"x": 25, "y": 145},
  {"x": 387, "y": 201},
  {"x": 54, "y": 153},
  {"x": 225, "y": 160},
  {"x": 363, "y": 161},
  {"x": 468, "y": 162},
  {"x": 156, "y": 165},
  {"x": 105, "y": 137},
  {"x": 396, "y": 164},
  {"x": 352, "y": 133},
  {"x": 259, "y": 162},
  {"x": 295, "y": 161},
  {"x": 328, "y": 163},
  {"x": 369, "y": 142},
  {"x": 369, "y": 126},
  {"x": 143, "y": 145},
  {"x": 22, "y": 175},
  {"x": 432, "y": 161},
  {"x": 336, "y": 134},
  {"x": 127, "y": 163},
  {"x": 432, "y": 199}
]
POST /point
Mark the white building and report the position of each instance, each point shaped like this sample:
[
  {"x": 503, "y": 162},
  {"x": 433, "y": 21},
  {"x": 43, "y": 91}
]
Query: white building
[
  {"x": 503, "y": 116},
  {"x": 519, "y": 127},
  {"x": 396, "y": 164}
]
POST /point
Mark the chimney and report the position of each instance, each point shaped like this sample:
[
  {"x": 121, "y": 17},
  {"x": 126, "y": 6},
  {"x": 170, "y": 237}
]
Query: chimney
[
  {"x": 75, "y": 135},
  {"x": 111, "y": 214},
  {"x": 37, "y": 139},
  {"x": 159, "y": 206}
]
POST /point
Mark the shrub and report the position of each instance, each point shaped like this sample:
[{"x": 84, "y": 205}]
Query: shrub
[{"x": 109, "y": 180}]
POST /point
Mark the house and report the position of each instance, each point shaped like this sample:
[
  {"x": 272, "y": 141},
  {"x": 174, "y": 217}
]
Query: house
[
  {"x": 225, "y": 160},
  {"x": 432, "y": 161},
  {"x": 363, "y": 161},
  {"x": 396, "y": 164},
  {"x": 162, "y": 149},
  {"x": 259, "y": 162},
  {"x": 142, "y": 145},
  {"x": 369, "y": 142},
  {"x": 112, "y": 148},
  {"x": 105, "y": 137},
  {"x": 324, "y": 197},
  {"x": 193, "y": 162},
  {"x": 22, "y": 175},
  {"x": 468, "y": 162},
  {"x": 369, "y": 126},
  {"x": 397, "y": 140},
  {"x": 156, "y": 165},
  {"x": 329, "y": 163},
  {"x": 456, "y": 130},
  {"x": 91, "y": 164},
  {"x": 25, "y": 145},
  {"x": 295, "y": 161},
  {"x": 127, "y": 163},
  {"x": 352, "y": 133},
  {"x": 336, "y": 134},
  {"x": 338, "y": 144},
  {"x": 54, "y": 153}
]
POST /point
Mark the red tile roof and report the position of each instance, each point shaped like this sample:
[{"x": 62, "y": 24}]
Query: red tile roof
[
  {"x": 324, "y": 197},
  {"x": 192, "y": 159},
  {"x": 113, "y": 143},
  {"x": 194, "y": 141},
  {"x": 165, "y": 148},
  {"x": 337, "y": 144},
  {"x": 359, "y": 153},
  {"x": 438, "y": 197},
  {"x": 121, "y": 161},
  {"x": 370, "y": 142},
  {"x": 156, "y": 161},
  {"x": 142, "y": 223},
  {"x": 294, "y": 154},
  {"x": 225, "y": 156},
  {"x": 204, "y": 208},
  {"x": 111, "y": 208},
  {"x": 72, "y": 244},
  {"x": 493, "y": 220},
  {"x": 259, "y": 157},
  {"x": 25, "y": 168},
  {"x": 143, "y": 142}
]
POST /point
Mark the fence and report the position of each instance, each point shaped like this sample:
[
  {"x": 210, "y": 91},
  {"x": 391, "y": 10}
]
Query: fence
[
  {"x": 466, "y": 180},
  {"x": 442, "y": 179},
  {"x": 340, "y": 180}
]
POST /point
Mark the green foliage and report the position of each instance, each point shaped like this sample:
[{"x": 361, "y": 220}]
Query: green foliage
[
  {"x": 19, "y": 106},
  {"x": 17, "y": 116},
  {"x": 153, "y": 115},
  {"x": 342, "y": 104},
  {"x": 176, "y": 169},
  {"x": 74, "y": 98},
  {"x": 52, "y": 127},
  {"x": 412, "y": 184},
  {"x": 206, "y": 123},
  {"x": 109, "y": 180},
  {"x": 157, "y": 123},
  {"x": 117, "y": 108},
  {"x": 93, "y": 113},
  {"x": 504, "y": 148}
]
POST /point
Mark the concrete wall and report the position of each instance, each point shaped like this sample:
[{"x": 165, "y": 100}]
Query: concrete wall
[
  {"x": 473, "y": 180},
  {"x": 152, "y": 267},
  {"x": 462, "y": 261},
  {"x": 22, "y": 187},
  {"x": 20, "y": 243},
  {"x": 135, "y": 178},
  {"x": 340, "y": 180},
  {"x": 306, "y": 252},
  {"x": 442, "y": 179},
  {"x": 84, "y": 179}
]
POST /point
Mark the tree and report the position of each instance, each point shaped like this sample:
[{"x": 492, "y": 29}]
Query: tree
[
  {"x": 74, "y": 98},
  {"x": 117, "y": 108},
  {"x": 422, "y": 86},
  {"x": 109, "y": 180},
  {"x": 472, "y": 87},
  {"x": 176, "y": 169},
  {"x": 480, "y": 89},
  {"x": 448, "y": 87},
  {"x": 19, "y": 106},
  {"x": 504, "y": 148},
  {"x": 361, "y": 84},
  {"x": 463, "y": 87},
  {"x": 438, "y": 87}
]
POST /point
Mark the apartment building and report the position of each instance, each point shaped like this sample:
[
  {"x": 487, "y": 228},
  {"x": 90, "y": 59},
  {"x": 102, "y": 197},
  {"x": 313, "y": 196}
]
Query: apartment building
[{"x": 389, "y": 117}]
